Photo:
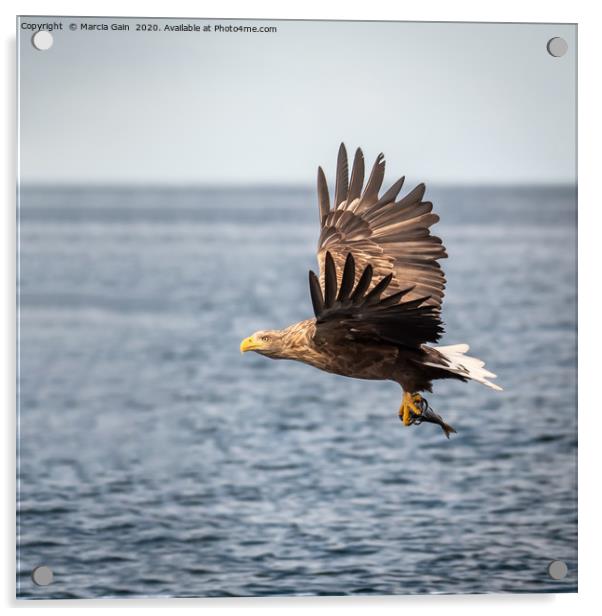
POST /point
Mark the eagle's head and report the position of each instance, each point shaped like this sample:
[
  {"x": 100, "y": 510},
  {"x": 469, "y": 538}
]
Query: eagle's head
[{"x": 269, "y": 342}]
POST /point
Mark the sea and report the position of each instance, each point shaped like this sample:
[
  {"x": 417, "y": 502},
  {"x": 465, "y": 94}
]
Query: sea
[{"x": 154, "y": 460}]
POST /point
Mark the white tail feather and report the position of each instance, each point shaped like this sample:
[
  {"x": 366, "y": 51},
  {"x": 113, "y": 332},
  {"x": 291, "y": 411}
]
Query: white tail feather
[{"x": 469, "y": 367}]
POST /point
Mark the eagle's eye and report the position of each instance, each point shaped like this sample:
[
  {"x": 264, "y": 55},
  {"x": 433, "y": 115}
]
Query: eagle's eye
[{"x": 265, "y": 338}]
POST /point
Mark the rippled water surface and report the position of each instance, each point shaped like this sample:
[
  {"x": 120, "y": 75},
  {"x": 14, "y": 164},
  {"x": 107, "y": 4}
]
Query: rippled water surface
[{"x": 156, "y": 460}]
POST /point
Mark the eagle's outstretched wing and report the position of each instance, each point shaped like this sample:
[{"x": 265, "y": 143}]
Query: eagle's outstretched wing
[
  {"x": 351, "y": 312},
  {"x": 391, "y": 236}
]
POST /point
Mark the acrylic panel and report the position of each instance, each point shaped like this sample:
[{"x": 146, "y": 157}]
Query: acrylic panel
[{"x": 168, "y": 215}]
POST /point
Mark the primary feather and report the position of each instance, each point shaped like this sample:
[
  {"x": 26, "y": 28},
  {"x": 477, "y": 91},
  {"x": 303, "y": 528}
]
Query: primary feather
[{"x": 392, "y": 236}]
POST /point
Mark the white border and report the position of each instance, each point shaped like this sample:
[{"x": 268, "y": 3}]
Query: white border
[{"x": 583, "y": 12}]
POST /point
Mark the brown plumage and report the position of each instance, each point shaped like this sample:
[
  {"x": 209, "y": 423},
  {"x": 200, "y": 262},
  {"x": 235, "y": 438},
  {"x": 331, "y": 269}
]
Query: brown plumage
[{"x": 377, "y": 299}]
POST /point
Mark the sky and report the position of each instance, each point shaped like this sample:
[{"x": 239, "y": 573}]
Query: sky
[{"x": 448, "y": 103}]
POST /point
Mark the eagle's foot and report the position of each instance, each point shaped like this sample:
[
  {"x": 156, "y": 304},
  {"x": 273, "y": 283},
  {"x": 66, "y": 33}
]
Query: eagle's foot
[
  {"x": 416, "y": 410},
  {"x": 411, "y": 408}
]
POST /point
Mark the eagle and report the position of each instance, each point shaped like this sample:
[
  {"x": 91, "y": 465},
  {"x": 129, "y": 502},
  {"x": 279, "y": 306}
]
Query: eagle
[{"x": 377, "y": 299}]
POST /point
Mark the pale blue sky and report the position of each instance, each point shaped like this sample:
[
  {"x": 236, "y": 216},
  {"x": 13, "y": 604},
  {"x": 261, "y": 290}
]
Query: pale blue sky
[{"x": 467, "y": 103}]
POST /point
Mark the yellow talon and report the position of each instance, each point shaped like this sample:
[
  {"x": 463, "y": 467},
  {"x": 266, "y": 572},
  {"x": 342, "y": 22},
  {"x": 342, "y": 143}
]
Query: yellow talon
[
  {"x": 414, "y": 400},
  {"x": 404, "y": 412},
  {"x": 409, "y": 406}
]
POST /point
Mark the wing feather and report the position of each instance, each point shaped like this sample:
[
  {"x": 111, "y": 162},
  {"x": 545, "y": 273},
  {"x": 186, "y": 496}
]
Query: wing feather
[
  {"x": 357, "y": 178},
  {"x": 366, "y": 316},
  {"x": 330, "y": 281},
  {"x": 323, "y": 196},
  {"x": 391, "y": 194},
  {"x": 348, "y": 279},
  {"x": 317, "y": 299},
  {"x": 375, "y": 181},
  {"x": 342, "y": 186},
  {"x": 393, "y": 237}
]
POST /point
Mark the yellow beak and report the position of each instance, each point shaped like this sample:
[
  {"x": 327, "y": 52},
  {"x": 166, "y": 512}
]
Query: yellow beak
[{"x": 248, "y": 344}]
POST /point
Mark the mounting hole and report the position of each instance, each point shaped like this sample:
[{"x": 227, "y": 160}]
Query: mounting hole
[
  {"x": 557, "y": 569},
  {"x": 42, "y": 40},
  {"x": 42, "y": 575},
  {"x": 557, "y": 47}
]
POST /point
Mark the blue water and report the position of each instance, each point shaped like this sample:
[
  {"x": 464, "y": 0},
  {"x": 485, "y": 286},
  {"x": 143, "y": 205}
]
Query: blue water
[{"x": 156, "y": 460}]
